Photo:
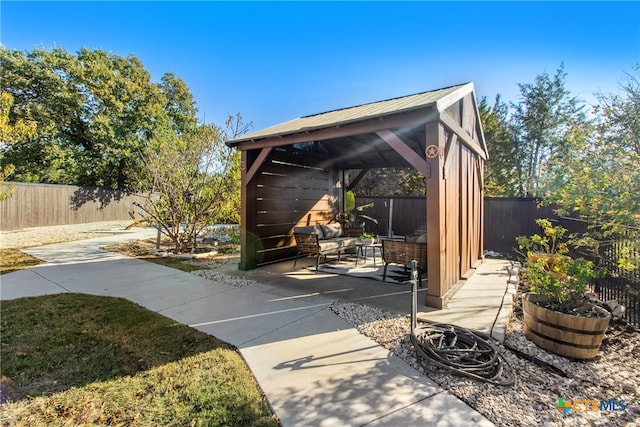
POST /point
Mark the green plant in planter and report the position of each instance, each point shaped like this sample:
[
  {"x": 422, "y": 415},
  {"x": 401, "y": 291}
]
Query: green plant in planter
[
  {"x": 557, "y": 315},
  {"x": 352, "y": 216},
  {"x": 561, "y": 279},
  {"x": 368, "y": 236}
]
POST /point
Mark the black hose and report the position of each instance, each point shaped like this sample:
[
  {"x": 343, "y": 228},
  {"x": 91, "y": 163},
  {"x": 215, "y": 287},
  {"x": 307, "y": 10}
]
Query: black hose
[
  {"x": 462, "y": 351},
  {"x": 545, "y": 365}
]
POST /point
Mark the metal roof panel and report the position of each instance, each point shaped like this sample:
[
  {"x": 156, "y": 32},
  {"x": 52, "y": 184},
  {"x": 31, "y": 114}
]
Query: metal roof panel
[{"x": 353, "y": 114}]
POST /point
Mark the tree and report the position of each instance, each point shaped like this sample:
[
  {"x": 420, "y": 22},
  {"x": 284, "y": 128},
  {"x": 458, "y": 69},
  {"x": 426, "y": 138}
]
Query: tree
[
  {"x": 500, "y": 177},
  {"x": 603, "y": 182},
  {"x": 120, "y": 110},
  {"x": 39, "y": 94},
  {"x": 389, "y": 182},
  {"x": 531, "y": 140},
  {"x": 194, "y": 179},
  {"x": 95, "y": 112},
  {"x": 180, "y": 105},
  {"x": 542, "y": 119},
  {"x": 9, "y": 133}
]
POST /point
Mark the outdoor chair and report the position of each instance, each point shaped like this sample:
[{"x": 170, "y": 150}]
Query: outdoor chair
[
  {"x": 400, "y": 252},
  {"x": 323, "y": 240}
]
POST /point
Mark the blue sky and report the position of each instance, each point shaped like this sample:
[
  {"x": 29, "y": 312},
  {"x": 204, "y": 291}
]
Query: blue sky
[{"x": 273, "y": 62}]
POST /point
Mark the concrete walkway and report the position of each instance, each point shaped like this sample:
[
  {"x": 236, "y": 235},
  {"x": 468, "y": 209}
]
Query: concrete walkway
[{"x": 315, "y": 369}]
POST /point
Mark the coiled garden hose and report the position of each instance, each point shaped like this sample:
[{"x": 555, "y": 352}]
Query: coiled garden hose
[
  {"x": 461, "y": 351},
  {"x": 455, "y": 349}
]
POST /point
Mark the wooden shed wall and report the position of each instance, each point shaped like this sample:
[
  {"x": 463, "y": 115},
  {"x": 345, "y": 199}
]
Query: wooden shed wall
[
  {"x": 287, "y": 191},
  {"x": 456, "y": 182},
  {"x": 454, "y": 202}
]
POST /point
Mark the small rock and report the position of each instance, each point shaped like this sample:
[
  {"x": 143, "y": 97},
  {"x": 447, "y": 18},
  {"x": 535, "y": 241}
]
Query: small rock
[{"x": 629, "y": 388}]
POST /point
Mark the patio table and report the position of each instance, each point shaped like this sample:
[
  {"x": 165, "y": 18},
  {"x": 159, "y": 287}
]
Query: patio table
[{"x": 362, "y": 249}]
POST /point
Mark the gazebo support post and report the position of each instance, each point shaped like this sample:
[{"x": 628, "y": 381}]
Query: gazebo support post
[
  {"x": 251, "y": 160},
  {"x": 435, "y": 206}
]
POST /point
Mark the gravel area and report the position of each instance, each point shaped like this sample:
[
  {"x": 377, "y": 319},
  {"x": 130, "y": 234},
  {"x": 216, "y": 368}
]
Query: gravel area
[
  {"x": 612, "y": 376},
  {"x": 38, "y": 236},
  {"x": 211, "y": 272},
  {"x": 532, "y": 399}
]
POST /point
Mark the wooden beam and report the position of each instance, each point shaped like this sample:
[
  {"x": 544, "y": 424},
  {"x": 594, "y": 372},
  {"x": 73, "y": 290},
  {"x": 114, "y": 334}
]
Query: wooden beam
[
  {"x": 247, "y": 219},
  {"x": 478, "y": 125},
  {"x": 468, "y": 115},
  {"x": 436, "y": 230},
  {"x": 452, "y": 125},
  {"x": 480, "y": 173},
  {"x": 357, "y": 179},
  {"x": 481, "y": 206},
  {"x": 407, "y": 153},
  {"x": 447, "y": 101},
  {"x": 451, "y": 142},
  {"x": 248, "y": 176},
  {"x": 372, "y": 165},
  {"x": 413, "y": 118}
]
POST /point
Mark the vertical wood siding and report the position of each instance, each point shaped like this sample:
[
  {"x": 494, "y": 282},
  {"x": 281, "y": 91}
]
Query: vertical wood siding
[{"x": 455, "y": 218}]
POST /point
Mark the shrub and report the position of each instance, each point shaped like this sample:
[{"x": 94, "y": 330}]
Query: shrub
[{"x": 550, "y": 271}]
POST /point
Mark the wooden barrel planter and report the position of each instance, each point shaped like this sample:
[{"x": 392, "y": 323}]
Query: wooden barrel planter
[{"x": 564, "y": 334}]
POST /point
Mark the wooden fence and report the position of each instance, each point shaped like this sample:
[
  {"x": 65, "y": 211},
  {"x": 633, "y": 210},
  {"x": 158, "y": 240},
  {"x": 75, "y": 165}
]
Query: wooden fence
[
  {"x": 38, "y": 205},
  {"x": 509, "y": 217},
  {"x": 391, "y": 214},
  {"x": 505, "y": 218}
]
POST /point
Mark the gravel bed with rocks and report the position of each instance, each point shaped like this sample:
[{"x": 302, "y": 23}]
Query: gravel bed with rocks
[
  {"x": 218, "y": 277},
  {"x": 210, "y": 271},
  {"x": 533, "y": 398},
  {"x": 38, "y": 236}
]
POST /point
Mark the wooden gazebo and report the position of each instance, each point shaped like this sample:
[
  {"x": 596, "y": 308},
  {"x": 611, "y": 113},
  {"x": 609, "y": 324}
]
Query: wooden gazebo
[{"x": 293, "y": 175}]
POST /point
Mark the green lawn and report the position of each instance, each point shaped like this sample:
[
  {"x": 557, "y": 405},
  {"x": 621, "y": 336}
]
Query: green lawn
[
  {"x": 74, "y": 359},
  {"x": 13, "y": 260}
]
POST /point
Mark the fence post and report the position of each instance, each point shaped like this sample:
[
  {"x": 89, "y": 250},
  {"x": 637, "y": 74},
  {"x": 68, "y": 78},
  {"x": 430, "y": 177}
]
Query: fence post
[
  {"x": 390, "y": 227},
  {"x": 414, "y": 296}
]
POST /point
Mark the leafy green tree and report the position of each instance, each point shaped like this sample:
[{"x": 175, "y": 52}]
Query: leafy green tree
[
  {"x": 541, "y": 121},
  {"x": 194, "y": 181},
  {"x": 180, "y": 105},
  {"x": 9, "y": 133},
  {"x": 102, "y": 122},
  {"x": 531, "y": 141},
  {"x": 120, "y": 110},
  {"x": 95, "y": 111},
  {"x": 602, "y": 182},
  {"x": 389, "y": 182},
  {"x": 6, "y": 190},
  {"x": 40, "y": 94},
  {"x": 500, "y": 177}
]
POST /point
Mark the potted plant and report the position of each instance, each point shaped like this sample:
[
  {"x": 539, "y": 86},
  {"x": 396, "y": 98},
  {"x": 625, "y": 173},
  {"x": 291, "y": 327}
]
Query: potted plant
[
  {"x": 558, "y": 316},
  {"x": 367, "y": 239},
  {"x": 352, "y": 217}
]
